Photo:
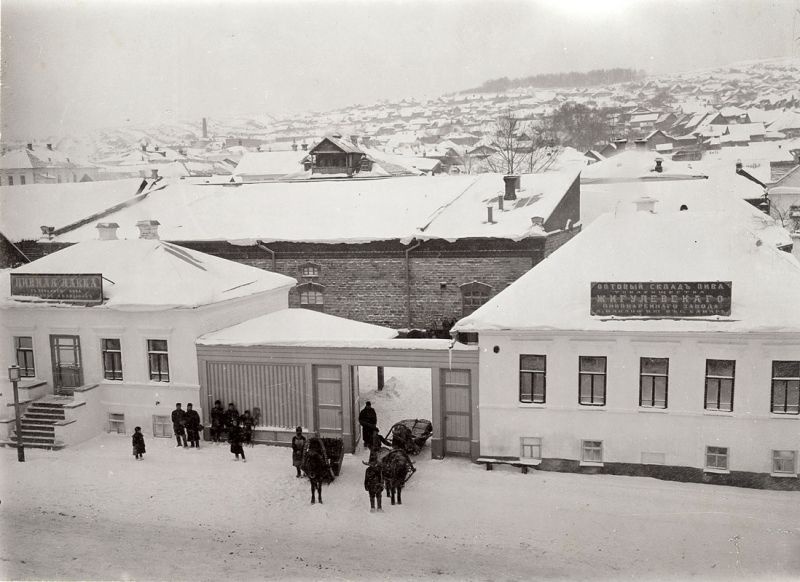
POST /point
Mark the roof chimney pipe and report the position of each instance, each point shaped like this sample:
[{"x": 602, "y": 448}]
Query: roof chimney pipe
[
  {"x": 537, "y": 221},
  {"x": 148, "y": 229},
  {"x": 489, "y": 217},
  {"x": 511, "y": 187},
  {"x": 294, "y": 146},
  {"x": 154, "y": 173},
  {"x": 50, "y": 147},
  {"x": 30, "y": 146},
  {"x": 354, "y": 140},
  {"x": 304, "y": 146},
  {"x": 107, "y": 230},
  {"x": 659, "y": 167},
  {"x": 500, "y": 203}
]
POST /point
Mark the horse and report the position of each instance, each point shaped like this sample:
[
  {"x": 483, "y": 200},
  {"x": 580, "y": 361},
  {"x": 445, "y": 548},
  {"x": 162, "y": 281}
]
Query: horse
[
  {"x": 315, "y": 466},
  {"x": 396, "y": 468}
]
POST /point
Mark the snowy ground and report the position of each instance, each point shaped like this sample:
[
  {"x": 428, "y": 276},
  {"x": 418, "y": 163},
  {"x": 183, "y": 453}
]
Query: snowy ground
[{"x": 93, "y": 512}]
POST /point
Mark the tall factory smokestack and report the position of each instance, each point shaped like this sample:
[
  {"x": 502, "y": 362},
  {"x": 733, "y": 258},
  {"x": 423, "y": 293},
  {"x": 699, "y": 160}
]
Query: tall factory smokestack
[{"x": 205, "y": 128}]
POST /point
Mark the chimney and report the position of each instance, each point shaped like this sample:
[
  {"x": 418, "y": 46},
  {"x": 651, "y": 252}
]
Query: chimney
[
  {"x": 154, "y": 173},
  {"x": 354, "y": 140},
  {"x": 30, "y": 146},
  {"x": 294, "y": 147},
  {"x": 739, "y": 166},
  {"x": 659, "y": 167},
  {"x": 500, "y": 203},
  {"x": 537, "y": 221},
  {"x": 489, "y": 217},
  {"x": 107, "y": 230},
  {"x": 47, "y": 232},
  {"x": 511, "y": 187},
  {"x": 143, "y": 146},
  {"x": 50, "y": 147},
  {"x": 148, "y": 229},
  {"x": 304, "y": 146},
  {"x": 646, "y": 204},
  {"x": 205, "y": 128}
]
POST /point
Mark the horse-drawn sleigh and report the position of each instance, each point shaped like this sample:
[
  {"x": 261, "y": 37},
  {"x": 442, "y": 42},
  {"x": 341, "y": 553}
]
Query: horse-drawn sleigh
[{"x": 322, "y": 462}]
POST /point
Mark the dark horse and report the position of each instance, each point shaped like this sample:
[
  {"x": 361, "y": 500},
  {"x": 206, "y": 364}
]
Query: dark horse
[
  {"x": 396, "y": 470},
  {"x": 315, "y": 466}
]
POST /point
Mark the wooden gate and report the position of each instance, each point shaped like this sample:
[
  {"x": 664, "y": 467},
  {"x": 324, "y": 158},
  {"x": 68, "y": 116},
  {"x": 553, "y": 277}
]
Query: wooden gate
[{"x": 457, "y": 411}]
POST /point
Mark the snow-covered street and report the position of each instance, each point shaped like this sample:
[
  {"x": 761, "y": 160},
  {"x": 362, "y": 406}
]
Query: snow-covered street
[{"x": 93, "y": 512}]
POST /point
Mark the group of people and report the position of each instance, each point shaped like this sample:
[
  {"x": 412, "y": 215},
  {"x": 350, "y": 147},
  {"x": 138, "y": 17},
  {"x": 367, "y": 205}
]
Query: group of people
[
  {"x": 237, "y": 427},
  {"x": 186, "y": 426}
]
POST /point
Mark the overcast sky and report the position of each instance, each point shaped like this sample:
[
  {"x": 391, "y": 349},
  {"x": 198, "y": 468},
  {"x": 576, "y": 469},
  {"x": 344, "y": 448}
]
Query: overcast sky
[{"x": 76, "y": 65}]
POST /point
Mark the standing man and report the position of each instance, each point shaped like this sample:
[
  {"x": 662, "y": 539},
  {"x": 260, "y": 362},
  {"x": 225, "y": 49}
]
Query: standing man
[
  {"x": 368, "y": 419},
  {"x": 178, "y": 424},
  {"x": 217, "y": 421},
  {"x": 192, "y": 426}
]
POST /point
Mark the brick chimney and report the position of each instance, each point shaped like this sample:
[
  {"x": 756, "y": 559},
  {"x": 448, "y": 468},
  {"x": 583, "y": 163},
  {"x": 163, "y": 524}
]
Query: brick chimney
[
  {"x": 659, "y": 165},
  {"x": 148, "y": 229},
  {"x": 107, "y": 230},
  {"x": 50, "y": 147},
  {"x": 304, "y": 146},
  {"x": 354, "y": 140},
  {"x": 646, "y": 204},
  {"x": 30, "y": 146},
  {"x": 511, "y": 187},
  {"x": 294, "y": 146},
  {"x": 154, "y": 173},
  {"x": 537, "y": 221}
]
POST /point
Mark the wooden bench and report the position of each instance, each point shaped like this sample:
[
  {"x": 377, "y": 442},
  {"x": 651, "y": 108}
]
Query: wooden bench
[{"x": 523, "y": 464}]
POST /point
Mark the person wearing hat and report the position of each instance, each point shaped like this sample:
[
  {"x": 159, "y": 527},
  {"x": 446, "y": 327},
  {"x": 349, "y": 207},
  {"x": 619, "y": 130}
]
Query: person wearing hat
[
  {"x": 368, "y": 419},
  {"x": 179, "y": 424},
  {"x": 298, "y": 446}
]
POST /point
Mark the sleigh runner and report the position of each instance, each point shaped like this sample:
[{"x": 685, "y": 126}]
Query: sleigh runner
[{"x": 409, "y": 435}]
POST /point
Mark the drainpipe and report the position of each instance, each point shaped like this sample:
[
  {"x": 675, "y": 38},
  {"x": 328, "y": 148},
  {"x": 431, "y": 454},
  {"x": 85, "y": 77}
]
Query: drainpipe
[
  {"x": 264, "y": 247},
  {"x": 408, "y": 283}
]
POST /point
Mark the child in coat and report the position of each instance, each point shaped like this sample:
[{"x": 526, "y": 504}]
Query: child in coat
[
  {"x": 138, "y": 443},
  {"x": 235, "y": 438},
  {"x": 298, "y": 445},
  {"x": 373, "y": 483}
]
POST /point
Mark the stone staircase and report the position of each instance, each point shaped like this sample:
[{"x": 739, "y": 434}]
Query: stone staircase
[{"x": 39, "y": 421}]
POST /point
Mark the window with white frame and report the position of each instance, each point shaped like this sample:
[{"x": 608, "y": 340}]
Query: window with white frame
[
  {"x": 158, "y": 360},
  {"x": 112, "y": 359},
  {"x": 653, "y": 379},
  {"x": 116, "y": 422},
  {"x": 784, "y": 462},
  {"x": 532, "y": 378},
  {"x": 312, "y": 296},
  {"x": 24, "y": 348},
  {"x": 162, "y": 426},
  {"x": 592, "y": 380},
  {"x": 785, "y": 387},
  {"x": 717, "y": 458},
  {"x": 592, "y": 451},
  {"x": 530, "y": 448},
  {"x": 719, "y": 384}
]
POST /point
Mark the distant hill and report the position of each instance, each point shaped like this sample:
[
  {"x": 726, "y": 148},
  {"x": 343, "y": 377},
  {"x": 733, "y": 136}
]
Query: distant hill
[{"x": 571, "y": 79}]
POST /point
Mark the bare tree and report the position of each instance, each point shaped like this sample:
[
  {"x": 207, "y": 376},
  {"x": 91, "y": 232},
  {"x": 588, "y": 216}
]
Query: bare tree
[{"x": 508, "y": 140}]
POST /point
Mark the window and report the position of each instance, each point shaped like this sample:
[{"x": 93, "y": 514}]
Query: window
[
  {"x": 24, "y": 347},
  {"x": 162, "y": 426},
  {"x": 11, "y": 180},
  {"x": 785, "y": 388},
  {"x": 22, "y": 180},
  {"x": 719, "y": 384},
  {"x": 473, "y": 295},
  {"x": 112, "y": 359},
  {"x": 784, "y": 462},
  {"x": 592, "y": 451},
  {"x": 532, "y": 378},
  {"x": 310, "y": 270},
  {"x": 653, "y": 374},
  {"x": 530, "y": 448},
  {"x": 312, "y": 296},
  {"x": 116, "y": 422},
  {"x": 592, "y": 381},
  {"x": 158, "y": 359},
  {"x": 717, "y": 458}
]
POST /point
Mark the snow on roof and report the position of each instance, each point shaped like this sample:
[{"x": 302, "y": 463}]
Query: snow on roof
[
  {"x": 638, "y": 165},
  {"x": 447, "y": 207},
  {"x": 270, "y": 163},
  {"x": 297, "y": 327},
  {"x": 151, "y": 275},
  {"x": 642, "y": 246},
  {"x": 23, "y": 209}
]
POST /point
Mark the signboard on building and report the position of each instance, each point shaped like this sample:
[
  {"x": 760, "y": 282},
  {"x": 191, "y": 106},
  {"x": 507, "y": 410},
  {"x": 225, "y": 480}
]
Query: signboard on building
[
  {"x": 661, "y": 299},
  {"x": 84, "y": 289}
]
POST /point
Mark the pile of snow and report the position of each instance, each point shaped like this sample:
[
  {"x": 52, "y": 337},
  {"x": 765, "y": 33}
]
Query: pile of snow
[{"x": 406, "y": 394}]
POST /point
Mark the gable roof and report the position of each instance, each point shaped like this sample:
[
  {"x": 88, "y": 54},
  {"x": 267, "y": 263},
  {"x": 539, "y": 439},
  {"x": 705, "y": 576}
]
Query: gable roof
[
  {"x": 152, "y": 275},
  {"x": 642, "y": 246}
]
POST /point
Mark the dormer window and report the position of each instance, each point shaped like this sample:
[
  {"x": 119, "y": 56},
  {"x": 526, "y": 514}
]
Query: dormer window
[
  {"x": 312, "y": 296},
  {"x": 310, "y": 270}
]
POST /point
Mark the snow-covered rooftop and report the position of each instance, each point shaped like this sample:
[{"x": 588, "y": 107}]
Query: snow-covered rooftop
[
  {"x": 150, "y": 275},
  {"x": 642, "y": 247},
  {"x": 445, "y": 207},
  {"x": 638, "y": 165}
]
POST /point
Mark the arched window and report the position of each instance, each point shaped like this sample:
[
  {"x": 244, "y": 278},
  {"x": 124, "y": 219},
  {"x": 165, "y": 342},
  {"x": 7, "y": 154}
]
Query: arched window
[
  {"x": 473, "y": 295},
  {"x": 312, "y": 296},
  {"x": 310, "y": 270}
]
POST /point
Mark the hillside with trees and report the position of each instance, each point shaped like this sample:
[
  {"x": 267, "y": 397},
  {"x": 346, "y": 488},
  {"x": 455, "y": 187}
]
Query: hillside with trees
[{"x": 571, "y": 79}]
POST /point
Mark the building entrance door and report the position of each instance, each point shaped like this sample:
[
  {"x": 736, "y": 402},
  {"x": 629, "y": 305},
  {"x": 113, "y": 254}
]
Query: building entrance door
[
  {"x": 328, "y": 400},
  {"x": 66, "y": 357},
  {"x": 457, "y": 411}
]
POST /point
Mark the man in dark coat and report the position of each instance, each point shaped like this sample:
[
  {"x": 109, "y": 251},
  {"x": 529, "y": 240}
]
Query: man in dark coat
[
  {"x": 246, "y": 421},
  {"x": 368, "y": 419},
  {"x": 179, "y": 424},
  {"x": 298, "y": 446},
  {"x": 231, "y": 415},
  {"x": 235, "y": 438},
  {"x": 373, "y": 484},
  {"x": 217, "y": 421},
  {"x": 192, "y": 420}
]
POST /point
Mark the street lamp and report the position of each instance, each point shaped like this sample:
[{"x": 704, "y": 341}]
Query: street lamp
[{"x": 13, "y": 376}]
